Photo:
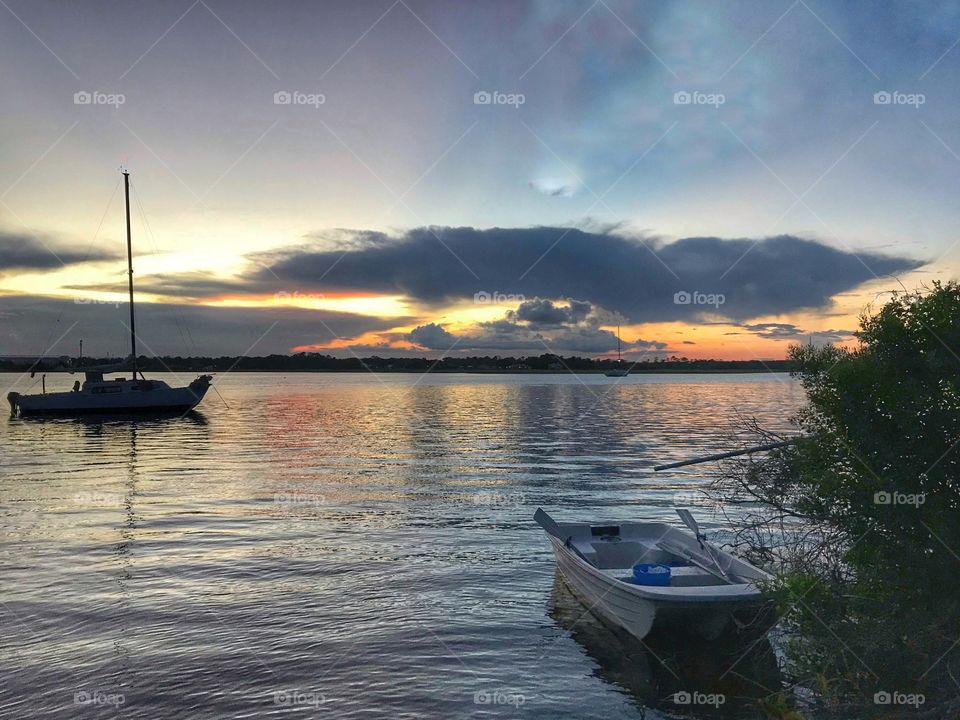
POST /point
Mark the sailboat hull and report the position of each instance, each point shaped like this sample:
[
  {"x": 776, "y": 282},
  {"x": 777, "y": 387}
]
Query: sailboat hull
[{"x": 148, "y": 397}]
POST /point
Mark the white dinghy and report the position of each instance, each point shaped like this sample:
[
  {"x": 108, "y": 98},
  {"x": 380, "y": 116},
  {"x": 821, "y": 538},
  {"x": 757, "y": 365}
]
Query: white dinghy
[{"x": 649, "y": 576}]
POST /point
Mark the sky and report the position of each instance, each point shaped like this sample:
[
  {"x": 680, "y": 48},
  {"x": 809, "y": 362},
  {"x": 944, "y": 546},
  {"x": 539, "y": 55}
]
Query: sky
[{"x": 413, "y": 177}]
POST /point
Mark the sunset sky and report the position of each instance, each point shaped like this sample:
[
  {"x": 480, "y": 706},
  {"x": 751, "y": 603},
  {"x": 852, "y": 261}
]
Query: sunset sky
[{"x": 482, "y": 178}]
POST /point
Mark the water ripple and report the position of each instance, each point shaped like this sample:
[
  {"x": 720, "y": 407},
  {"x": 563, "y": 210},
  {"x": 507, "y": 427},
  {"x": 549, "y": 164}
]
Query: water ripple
[{"x": 340, "y": 545}]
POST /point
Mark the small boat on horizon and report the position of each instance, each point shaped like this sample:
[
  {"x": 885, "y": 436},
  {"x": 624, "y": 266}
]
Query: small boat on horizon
[
  {"x": 121, "y": 395},
  {"x": 648, "y": 576}
]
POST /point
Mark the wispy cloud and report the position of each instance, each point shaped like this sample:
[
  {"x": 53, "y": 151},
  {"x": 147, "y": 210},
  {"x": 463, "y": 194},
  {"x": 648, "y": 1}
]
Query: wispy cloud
[{"x": 19, "y": 251}]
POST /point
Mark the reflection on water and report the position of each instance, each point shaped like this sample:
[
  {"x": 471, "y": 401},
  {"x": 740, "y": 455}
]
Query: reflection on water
[
  {"x": 725, "y": 678},
  {"x": 341, "y": 544},
  {"x": 99, "y": 420}
]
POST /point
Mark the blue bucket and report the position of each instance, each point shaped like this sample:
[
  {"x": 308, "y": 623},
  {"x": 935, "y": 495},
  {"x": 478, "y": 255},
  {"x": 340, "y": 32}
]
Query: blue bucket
[{"x": 651, "y": 574}]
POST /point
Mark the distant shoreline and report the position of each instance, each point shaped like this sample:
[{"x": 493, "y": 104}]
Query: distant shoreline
[
  {"x": 307, "y": 363},
  {"x": 635, "y": 371},
  {"x": 379, "y": 371}
]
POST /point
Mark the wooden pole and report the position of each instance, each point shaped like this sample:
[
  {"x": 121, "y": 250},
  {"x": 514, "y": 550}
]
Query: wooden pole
[{"x": 721, "y": 456}]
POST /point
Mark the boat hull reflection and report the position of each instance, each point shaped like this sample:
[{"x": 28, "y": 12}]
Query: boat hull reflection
[{"x": 670, "y": 673}]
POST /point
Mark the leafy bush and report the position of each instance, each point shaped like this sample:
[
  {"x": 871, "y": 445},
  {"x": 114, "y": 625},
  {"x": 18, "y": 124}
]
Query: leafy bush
[{"x": 863, "y": 515}]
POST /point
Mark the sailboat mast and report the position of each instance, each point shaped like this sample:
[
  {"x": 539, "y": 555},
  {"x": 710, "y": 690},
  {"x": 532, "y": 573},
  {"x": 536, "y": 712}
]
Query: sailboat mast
[
  {"x": 133, "y": 326},
  {"x": 619, "y": 359}
]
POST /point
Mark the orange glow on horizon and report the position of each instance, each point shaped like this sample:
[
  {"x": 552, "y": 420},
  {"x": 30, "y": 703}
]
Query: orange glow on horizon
[{"x": 368, "y": 338}]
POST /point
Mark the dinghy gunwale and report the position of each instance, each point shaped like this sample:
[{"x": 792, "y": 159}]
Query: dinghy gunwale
[
  {"x": 732, "y": 593},
  {"x": 566, "y": 537}
]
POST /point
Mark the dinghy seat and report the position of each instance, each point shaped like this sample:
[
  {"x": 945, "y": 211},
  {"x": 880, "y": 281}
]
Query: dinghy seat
[{"x": 624, "y": 555}]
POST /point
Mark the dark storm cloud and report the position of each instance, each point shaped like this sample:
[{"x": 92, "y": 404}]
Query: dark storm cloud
[
  {"x": 539, "y": 312},
  {"x": 432, "y": 337},
  {"x": 26, "y": 252},
  {"x": 774, "y": 331},
  {"x": 29, "y": 324},
  {"x": 634, "y": 277},
  {"x": 789, "y": 331},
  {"x": 537, "y": 326},
  {"x": 504, "y": 335}
]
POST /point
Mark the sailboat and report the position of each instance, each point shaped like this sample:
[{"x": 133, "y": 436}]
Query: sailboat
[
  {"x": 619, "y": 371},
  {"x": 121, "y": 395}
]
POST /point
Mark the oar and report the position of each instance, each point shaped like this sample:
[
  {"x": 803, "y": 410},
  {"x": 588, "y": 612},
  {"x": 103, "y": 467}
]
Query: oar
[
  {"x": 711, "y": 551},
  {"x": 721, "y": 456},
  {"x": 550, "y": 525},
  {"x": 696, "y": 558}
]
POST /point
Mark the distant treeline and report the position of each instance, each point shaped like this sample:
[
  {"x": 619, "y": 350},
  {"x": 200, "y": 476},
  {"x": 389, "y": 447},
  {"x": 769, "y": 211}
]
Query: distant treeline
[{"x": 314, "y": 362}]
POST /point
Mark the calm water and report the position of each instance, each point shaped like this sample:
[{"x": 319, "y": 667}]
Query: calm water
[{"x": 350, "y": 546}]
